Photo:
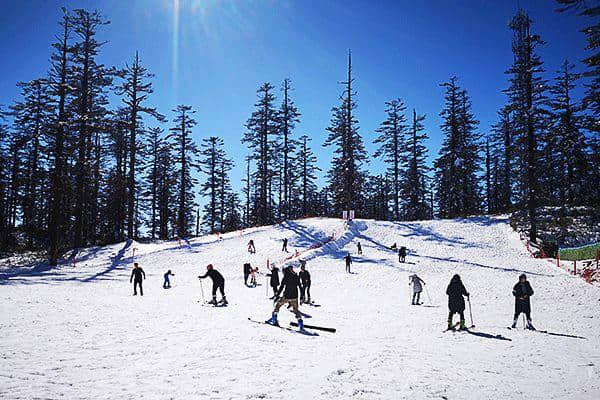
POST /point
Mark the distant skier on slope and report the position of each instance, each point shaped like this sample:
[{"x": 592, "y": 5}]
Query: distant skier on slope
[
  {"x": 218, "y": 283},
  {"x": 402, "y": 254},
  {"x": 348, "y": 262},
  {"x": 251, "y": 248},
  {"x": 456, "y": 303},
  {"x": 137, "y": 276},
  {"x": 417, "y": 288},
  {"x": 284, "y": 247},
  {"x": 394, "y": 246},
  {"x": 247, "y": 272},
  {"x": 359, "y": 248},
  {"x": 305, "y": 280},
  {"x": 167, "y": 282},
  {"x": 522, "y": 292},
  {"x": 289, "y": 286},
  {"x": 274, "y": 282}
]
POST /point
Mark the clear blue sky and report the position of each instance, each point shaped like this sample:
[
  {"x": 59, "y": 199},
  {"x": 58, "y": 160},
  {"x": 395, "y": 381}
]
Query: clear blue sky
[{"x": 214, "y": 54}]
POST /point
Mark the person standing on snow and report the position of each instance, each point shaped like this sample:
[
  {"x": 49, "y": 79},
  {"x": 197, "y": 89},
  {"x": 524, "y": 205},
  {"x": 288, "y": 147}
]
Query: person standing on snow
[
  {"x": 359, "y": 248},
  {"x": 218, "y": 283},
  {"x": 348, "y": 262},
  {"x": 416, "y": 282},
  {"x": 137, "y": 276},
  {"x": 456, "y": 302},
  {"x": 251, "y": 248},
  {"x": 522, "y": 292},
  {"x": 167, "y": 282},
  {"x": 289, "y": 286},
  {"x": 274, "y": 282},
  {"x": 402, "y": 254},
  {"x": 305, "y": 280},
  {"x": 284, "y": 247},
  {"x": 247, "y": 272}
]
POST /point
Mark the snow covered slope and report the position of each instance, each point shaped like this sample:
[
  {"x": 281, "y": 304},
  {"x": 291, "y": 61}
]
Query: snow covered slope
[{"x": 77, "y": 333}]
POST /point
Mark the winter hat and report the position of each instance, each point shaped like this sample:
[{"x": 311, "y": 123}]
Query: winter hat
[
  {"x": 522, "y": 276},
  {"x": 209, "y": 266}
]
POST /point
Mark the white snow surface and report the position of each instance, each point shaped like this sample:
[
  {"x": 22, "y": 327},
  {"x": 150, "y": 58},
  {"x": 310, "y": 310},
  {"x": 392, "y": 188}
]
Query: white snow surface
[{"x": 76, "y": 332}]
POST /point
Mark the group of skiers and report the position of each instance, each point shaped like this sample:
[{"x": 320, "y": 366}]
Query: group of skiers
[{"x": 291, "y": 286}]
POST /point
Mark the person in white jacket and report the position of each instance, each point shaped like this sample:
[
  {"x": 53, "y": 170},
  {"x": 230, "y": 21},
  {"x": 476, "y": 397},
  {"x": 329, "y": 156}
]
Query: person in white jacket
[{"x": 417, "y": 285}]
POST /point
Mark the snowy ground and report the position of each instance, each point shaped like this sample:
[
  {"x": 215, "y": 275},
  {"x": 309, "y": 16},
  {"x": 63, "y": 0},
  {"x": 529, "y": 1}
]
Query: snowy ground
[{"x": 77, "y": 333}]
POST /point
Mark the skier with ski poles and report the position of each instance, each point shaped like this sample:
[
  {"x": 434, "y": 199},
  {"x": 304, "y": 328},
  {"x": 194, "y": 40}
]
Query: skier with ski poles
[
  {"x": 522, "y": 292},
  {"x": 305, "y": 280},
  {"x": 456, "y": 302},
  {"x": 218, "y": 283},
  {"x": 348, "y": 262},
  {"x": 137, "y": 276},
  {"x": 402, "y": 254},
  {"x": 289, "y": 286},
  {"x": 284, "y": 247},
  {"x": 417, "y": 286},
  {"x": 274, "y": 282},
  {"x": 167, "y": 282}
]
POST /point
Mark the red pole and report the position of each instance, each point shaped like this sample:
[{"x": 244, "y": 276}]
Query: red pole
[
  {"x": 558, "y": 259},
  {"x": 574, "y": 267}
]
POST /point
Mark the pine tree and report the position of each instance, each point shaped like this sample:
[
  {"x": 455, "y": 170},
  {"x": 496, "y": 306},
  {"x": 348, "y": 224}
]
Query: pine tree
[
  {"x": 155, "y": 142},
  {"x": 212, "y": 157},
  {"x": 414, "y": 187},
  {"x": 392, "y": 146},
  {"x": 135, "y": 89},
  {"x": 527, "y": 97},
  {"x": 260, "y": 137},
  {"x": 502, "y": 151},
  {"x": 307, "y": 169},
  {"x": 187, "y": 154},
  {"x": 288, "y": 118},
  {"x": 225, "y": 191},
  {"x": 345, "y": 175},
  {"x": 457, "y": 166}
]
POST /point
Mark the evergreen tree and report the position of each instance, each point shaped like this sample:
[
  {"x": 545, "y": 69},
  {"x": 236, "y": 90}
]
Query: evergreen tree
[
  {"x": 187, "y": 154},
  {"x": 288, "y": 118},
  {"x": 155, "y": 143},
  {"x": 212, "y": 158},
  {"x": 502, "y": 151},
  {"x": 307, "y": 169},
  {"x": 345, "y": 175},
  {"x": 260, "y": 137},
  {"x": 392, "y": 146},
  {"x": 414, "y": 187}
]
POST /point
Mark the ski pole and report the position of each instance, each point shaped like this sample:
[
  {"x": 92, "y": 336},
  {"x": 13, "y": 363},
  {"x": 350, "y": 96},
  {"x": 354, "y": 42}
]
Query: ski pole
[
  {"x": 470, "y": 312},
  {"x": 202, "y": 290}
]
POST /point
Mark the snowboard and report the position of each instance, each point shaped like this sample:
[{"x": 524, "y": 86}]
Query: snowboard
[{"x": 302, "y": 332}]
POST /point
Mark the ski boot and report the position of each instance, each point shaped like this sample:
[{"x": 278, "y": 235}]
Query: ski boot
[
  {"x": 462, "y": 327},
  {"x": 300, "y": 324},
  {"x": 224, "y": 301},
  {"x": 273, "y": 320},
  {"x": 530, "y": 326},
  {"x": 450, "y": 323},
  {"x": 213, "y": 301}
]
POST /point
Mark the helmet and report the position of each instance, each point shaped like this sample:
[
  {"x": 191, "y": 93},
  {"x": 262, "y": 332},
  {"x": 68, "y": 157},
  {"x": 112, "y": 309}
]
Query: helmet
[{"x": 209, "y": 266}]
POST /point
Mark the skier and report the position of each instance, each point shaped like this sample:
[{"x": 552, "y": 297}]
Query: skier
[
  {"x": 247, "y": 272},
  {"x": 251, "y": 248},
  {"x": 456, "y": 303},
  {"x": 289, "y": 286},
  {"x": 167, "y": 283},
  {"x": 402, "y": 254},
  {"x": 348, "y": 262},
  {"x": 522, "y": 292},
  {"x": 137, "y": 276},
  {"x": 284, "y": 248},
  {"x": 359, "y": 248},
  {"x": 218, "y": 283},
  {"x": 305, "y": 279},
  {"x": 417, "y": 288},
  {"x": 274, "y": 282}
]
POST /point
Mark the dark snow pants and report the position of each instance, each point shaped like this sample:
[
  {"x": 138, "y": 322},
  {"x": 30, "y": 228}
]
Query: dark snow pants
[
  {"x": 135, "y": 284},
  {"x": 220, "y": 286}
]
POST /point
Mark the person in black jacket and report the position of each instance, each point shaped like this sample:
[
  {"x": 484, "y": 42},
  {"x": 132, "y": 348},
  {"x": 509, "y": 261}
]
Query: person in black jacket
[
  {"x": 522, "y": 292},
  {"x": 137, "y": 276},
  {"x": 289, "y": 286},
  {"x": 274, "y": 282},
  {"x": 218, "y": 283},
  {"x": 402, "y": 254},
  {"x": 305, "y": 280},
  {"x": 348, "y": 262},
  {"x": 456, "y": 303},
  {"x": 247, "y": 272},
  {"x": 284, "y": 247}
]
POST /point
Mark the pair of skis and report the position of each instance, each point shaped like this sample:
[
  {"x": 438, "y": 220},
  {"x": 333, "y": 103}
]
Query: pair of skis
[{"x": 295, "y": 324}]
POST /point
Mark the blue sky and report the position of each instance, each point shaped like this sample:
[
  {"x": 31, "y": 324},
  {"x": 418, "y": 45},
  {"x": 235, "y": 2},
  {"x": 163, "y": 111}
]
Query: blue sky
[{"x": 214, "y": 54}]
